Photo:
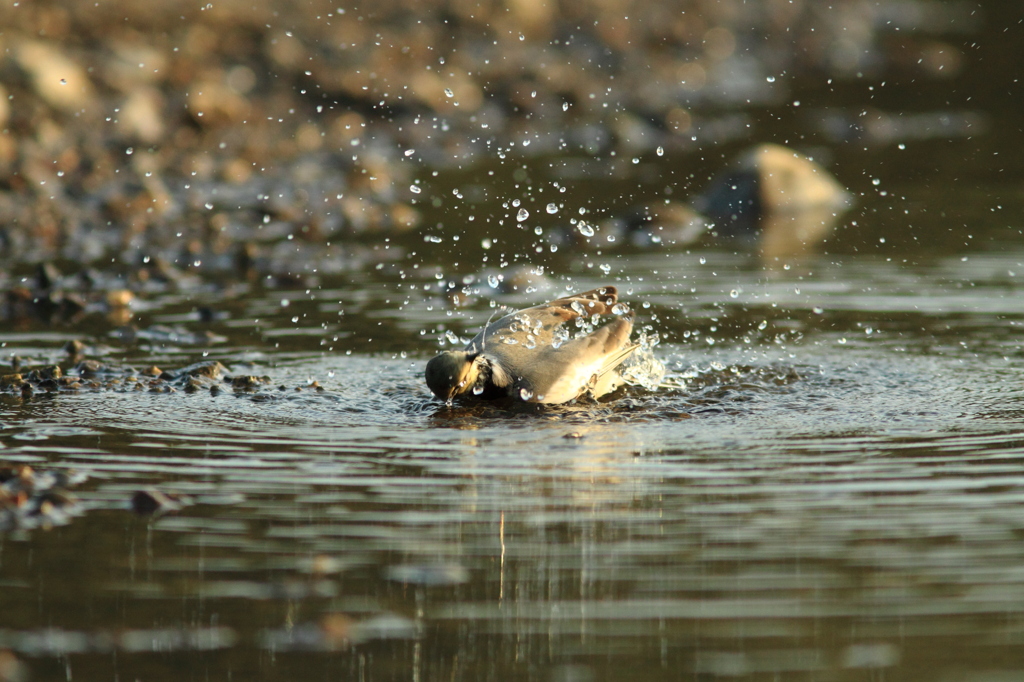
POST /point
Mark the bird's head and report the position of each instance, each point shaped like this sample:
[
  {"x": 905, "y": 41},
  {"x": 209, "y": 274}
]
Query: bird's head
[{"x": 452, "y": 373}]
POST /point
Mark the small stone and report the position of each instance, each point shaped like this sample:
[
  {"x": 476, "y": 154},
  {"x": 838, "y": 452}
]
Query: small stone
[
  {"x": 211, "y": 369},
  {"x": 88, "y": 368},
  {"x": 152, "y": 501},
  {"x": 247, "y": 381},
  {"x": 55, "y": 77},
  {"x": 74, "y": 348}
]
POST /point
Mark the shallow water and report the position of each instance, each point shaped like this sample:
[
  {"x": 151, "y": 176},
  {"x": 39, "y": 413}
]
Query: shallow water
[{"x": 830, "y": 489}]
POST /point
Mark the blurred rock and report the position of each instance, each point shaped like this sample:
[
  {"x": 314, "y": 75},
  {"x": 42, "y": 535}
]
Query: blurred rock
[
  {"x": 32, "y": 499},
  {"x": 5, "y": 107},
  {"x": 155, "y": 502},
  {"x": 60, "y": 81},
  {"x": 784, "y": 201},
  {"x": 141, "y": 117},
  {"x": 12, "y": 669}
]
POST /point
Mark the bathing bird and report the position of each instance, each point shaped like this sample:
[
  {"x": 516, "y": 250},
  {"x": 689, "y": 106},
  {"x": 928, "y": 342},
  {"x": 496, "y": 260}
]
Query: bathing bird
[{"x": 551, "y": 353}]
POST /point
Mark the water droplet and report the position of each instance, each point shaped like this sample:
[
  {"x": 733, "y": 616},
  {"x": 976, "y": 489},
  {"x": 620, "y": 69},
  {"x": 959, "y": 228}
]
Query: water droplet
[
  {"x": 415, "y": 189},
  {"x": 493, "y": 281},
  {"x": 842, "y": 341},
  {"x": 620, "y": 309},
  {"x": 478, "y": 388},
  {"x": 522, "y": 215},
  {"x": 538, "y": 230},
  {"x": 565, "y": 106},
  {"x": 771, "y": 79},
  {"x": 63, "y": 81},
  {"x": 703, "y": 260},
  {"x": 763, "y": 325},
  {"x": 510, "y": 340},
  {"x": 585, "y": 229},
  {"x": 522, "y": 37},
  {"x": 129, "y": 151},
  {"x": 410, "y": 152},
  {"x": 551, "y": 208},
  {"x": 901, "y": 146},
  {"x": 660, "y": 151},
  {"x": 876, "y": 181},
  {"x": 636, "y": 160},
  {"x": 486, "y": 243},
  {"x": 734, "y": 293},
  {"x": 817, "y": 311},
  {"x": 452, "y": 337},
  {"x": 448, "y": 92}
]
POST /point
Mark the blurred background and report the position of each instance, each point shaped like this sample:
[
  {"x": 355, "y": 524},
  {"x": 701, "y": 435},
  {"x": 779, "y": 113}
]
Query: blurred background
[{"x": 207, "y": 135}]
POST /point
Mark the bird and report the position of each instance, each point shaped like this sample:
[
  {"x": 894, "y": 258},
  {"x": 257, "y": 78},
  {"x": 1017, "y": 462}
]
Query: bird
[{"x": 552, "y": 353}]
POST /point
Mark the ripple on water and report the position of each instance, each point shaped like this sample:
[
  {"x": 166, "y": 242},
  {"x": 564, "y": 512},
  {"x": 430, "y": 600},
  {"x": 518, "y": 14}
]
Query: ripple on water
[{"x": 762, "y": 492}]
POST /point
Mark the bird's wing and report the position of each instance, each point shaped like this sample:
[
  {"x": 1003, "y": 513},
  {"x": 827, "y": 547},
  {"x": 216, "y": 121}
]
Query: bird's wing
[
  {"x": 588, "y": 363},
  {"x": 541, "y": 325},
  {"x": 559, "y": 374}
]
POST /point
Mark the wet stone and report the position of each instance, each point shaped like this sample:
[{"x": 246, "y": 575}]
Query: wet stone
[
  {"x": 88, "y": 368},
  {"x": 74, "y": 348},
  {"x": 44, "y": 373},
  {"x": 9, "y": 381},
  {"x": 249, "y": 381},
  {"x": 153, "y": 501},
  {"x": 210, "y": 369},
  {"x": 30, "y": 498}
]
